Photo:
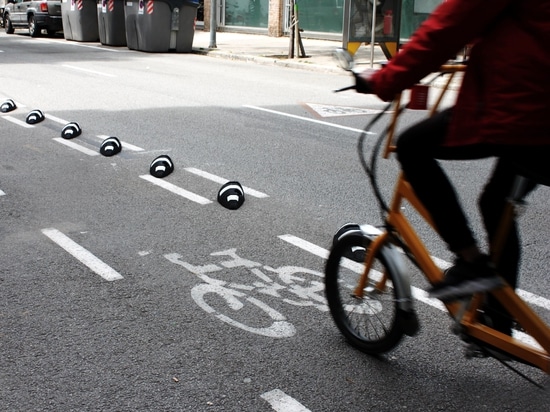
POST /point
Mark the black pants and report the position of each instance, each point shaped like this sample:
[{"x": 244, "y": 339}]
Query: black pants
[{"x": 417, "y": 151}]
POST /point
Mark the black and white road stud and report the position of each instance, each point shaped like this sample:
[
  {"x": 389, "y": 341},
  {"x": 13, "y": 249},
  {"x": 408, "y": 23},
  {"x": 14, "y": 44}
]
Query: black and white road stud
[
  {"x": 71, "y": 130},
  {"x": 162, "y": 166},
  {"x": 110, "y": 146},
  {"x": 231, "y": 195},
  {"x": 8, "y": 106},
  {"x": 35, "y": 116}
]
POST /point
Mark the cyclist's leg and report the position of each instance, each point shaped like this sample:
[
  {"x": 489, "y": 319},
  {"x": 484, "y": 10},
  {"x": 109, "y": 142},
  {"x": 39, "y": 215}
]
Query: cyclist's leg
[
  {"x": 492, "y": 203},
  {"x": 417, "y": 150}
]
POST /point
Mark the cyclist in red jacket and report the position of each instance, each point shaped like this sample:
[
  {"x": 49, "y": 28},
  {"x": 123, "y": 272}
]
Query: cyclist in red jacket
[{"x": 501, "y": 111}]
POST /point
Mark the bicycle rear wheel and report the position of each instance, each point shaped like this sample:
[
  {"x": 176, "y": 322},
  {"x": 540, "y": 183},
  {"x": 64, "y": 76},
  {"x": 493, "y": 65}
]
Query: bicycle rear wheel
[{"x": 373, "y": 323}]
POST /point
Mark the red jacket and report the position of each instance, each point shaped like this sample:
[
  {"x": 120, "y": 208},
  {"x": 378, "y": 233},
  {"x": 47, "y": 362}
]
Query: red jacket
[{"x": 505, "y": 95}]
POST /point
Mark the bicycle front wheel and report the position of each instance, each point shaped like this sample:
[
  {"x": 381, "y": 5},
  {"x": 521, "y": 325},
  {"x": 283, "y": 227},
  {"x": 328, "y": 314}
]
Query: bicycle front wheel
[{"x": 373, "y": 323}]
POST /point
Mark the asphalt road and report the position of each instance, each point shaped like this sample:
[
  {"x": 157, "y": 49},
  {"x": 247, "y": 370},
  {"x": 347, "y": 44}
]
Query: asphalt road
[{"x": 117, "y": 294}]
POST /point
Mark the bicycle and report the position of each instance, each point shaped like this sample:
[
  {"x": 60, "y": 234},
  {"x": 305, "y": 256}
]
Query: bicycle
[{"x": 366, "y": 270}]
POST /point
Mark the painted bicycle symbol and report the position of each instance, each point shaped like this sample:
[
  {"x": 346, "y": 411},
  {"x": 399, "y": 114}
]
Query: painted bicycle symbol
[{"x": 294, "y": 285}]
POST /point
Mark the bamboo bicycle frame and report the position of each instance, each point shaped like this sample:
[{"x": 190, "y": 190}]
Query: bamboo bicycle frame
[{"x": 467, "y": 317}]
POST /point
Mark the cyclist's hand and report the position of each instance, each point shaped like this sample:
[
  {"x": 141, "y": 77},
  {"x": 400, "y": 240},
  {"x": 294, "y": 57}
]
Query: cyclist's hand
[{"x": 362, "y": 81}]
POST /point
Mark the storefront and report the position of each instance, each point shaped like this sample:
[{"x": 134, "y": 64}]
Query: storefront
[{"x": 321, "y": 18}]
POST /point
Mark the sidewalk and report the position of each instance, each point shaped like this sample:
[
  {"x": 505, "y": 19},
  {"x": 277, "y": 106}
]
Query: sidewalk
[{"x": 263, "y": 49}]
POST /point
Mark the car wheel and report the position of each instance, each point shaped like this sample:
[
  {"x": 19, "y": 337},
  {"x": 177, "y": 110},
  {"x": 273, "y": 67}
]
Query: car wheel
[
  {"x": 7, "y": 25},
  {"x": 34, "y": 30}
]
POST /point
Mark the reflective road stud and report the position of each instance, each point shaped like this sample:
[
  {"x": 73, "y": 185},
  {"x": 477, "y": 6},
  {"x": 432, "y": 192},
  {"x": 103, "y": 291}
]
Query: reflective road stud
[
  {"x": 8, "y": 106},
  {"x": 231, "y": 195},
  {"x": 162, "y": 166},
  {"x": 71, "y": 130},
  {"x": 35, "y": 116},
  {"x": 110, "y": 146}
]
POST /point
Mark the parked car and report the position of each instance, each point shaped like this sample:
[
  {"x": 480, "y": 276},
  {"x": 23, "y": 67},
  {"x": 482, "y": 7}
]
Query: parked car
[{"x": 35, "y": 15}]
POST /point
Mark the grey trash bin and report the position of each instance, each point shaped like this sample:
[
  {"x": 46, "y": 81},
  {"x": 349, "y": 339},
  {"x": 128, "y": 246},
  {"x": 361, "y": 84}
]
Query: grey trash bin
[
  {"x": 80, "y": 20},
  {"x": 160, "y": 25},
  {"x": 111, "y": 22}
]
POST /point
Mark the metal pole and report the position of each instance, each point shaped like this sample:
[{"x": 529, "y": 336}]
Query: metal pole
[
  {"x": 373, "y": 33},
  {"x": 296, "y": 30},
  {"x": 213, "y": 23}
]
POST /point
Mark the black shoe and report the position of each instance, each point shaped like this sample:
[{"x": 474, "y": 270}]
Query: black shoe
[
  {"x": 497, "y": 320},
  {"x": 466, "y": 278}
]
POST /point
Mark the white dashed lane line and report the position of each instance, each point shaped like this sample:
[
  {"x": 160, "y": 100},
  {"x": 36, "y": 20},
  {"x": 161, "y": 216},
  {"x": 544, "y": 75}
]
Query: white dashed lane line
[
  {"x": 81, "y": 69},
  {"x": 176, "y": 190},
  {"x": 83, "y": 255},
  {"x": 76, "y": 146},
  {"x": 125, "y": 145},
  {"x": 281, "y": 402},
  {"x": 222, "y": 181},
  {"x": 18, "y": 122},
  {"x": 56, "y": 119},
  {"x": 417, "y": 293}
]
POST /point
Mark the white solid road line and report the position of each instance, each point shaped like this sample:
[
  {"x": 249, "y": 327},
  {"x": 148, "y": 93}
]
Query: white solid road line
[
  {"x": 176, "y": 189},
  {"x": 418, "y": 293},
  {"x": 83, "y": 255},
  {"x": 2, "y": 193},
  {"x": 76, "y": 146},
  {"x": 281, "y": 402},
  {"x": 221, "y": 180},
  {"x": 307, "y": 119}
]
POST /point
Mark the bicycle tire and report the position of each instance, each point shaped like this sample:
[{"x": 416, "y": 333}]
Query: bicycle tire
[{"x": 375, "y": 323}]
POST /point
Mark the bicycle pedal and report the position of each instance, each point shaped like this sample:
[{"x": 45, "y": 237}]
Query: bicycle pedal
[{"x": 473, "y": 351}]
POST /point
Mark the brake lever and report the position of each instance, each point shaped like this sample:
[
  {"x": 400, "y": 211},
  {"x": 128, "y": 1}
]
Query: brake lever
[{"x": 343, "y": 89}]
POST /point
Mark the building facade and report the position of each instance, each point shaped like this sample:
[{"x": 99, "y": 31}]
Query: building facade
[
  {"x": 273, "y": 16},
  {"x": 318, "y": 18}
]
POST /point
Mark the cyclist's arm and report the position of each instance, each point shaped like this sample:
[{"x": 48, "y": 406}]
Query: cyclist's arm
[{"x": 450, "y": 27}]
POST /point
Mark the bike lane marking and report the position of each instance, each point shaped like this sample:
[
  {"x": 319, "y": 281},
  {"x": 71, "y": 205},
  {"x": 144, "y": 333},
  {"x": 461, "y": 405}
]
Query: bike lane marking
[
  {"x": 83, "y": 255},
  {"x": 222, "y": 181},
  {"x": 176, "y": 190},
  {"x": 281, "y": 402},
  {"x": 233, "y": 294}
]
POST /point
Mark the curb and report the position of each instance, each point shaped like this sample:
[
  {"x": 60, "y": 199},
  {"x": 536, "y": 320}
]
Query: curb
[{"x": 303, "y": 64}]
